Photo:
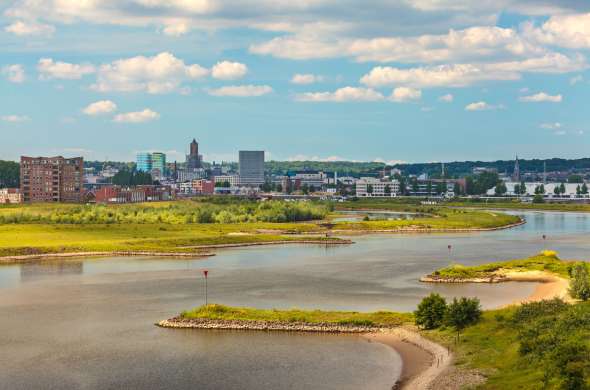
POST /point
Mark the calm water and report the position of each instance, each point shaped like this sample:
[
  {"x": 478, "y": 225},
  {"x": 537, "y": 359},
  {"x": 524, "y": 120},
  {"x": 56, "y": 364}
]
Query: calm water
[{"x": 89, "y": 324}]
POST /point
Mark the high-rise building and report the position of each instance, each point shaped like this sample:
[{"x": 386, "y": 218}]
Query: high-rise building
[
  {"x": 144, "y": 162},
  {"x": 193, "y": 159},
  {"x": 251, "y": 168},
  {"x": 158, "y": 165},
  {"x": 52, "y": 179}
]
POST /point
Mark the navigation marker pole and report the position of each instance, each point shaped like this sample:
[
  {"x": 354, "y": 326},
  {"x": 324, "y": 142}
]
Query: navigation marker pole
[
  {"x": 205, "y": 273},
  {"x": 450, "y": 257},
  {"x": 544, "y": 242}
]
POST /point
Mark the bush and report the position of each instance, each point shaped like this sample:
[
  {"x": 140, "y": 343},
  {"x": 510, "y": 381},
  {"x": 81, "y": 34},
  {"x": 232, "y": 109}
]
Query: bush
[
  {"x": 580, "y": 282},
  {"x": 431, "y": 312}
]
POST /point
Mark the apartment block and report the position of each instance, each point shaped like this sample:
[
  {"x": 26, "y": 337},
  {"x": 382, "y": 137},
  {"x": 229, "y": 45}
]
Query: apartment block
[{"x": 52, "y": 179}]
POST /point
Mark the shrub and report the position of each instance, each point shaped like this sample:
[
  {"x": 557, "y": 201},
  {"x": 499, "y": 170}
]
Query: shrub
[
  {"x": 580, "y": 282},
  {"x": 431, "y": 312}
]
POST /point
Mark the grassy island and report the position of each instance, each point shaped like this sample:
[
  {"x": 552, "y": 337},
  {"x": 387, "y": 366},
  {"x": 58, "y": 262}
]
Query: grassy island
[
  {"x": 546, "y": 261},
  {"x": 227, "y": 313},
  {"x": 191, "y": 225}
]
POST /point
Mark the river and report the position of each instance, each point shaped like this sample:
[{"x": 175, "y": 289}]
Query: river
[{"x": 88, "y": 324}]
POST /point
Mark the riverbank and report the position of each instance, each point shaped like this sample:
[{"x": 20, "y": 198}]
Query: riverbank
[{"x": 422, "y": 360}]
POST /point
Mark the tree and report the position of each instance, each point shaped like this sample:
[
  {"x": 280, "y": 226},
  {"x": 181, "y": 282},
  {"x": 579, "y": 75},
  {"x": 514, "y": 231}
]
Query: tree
[
  {"x": 369, "y": 189},
  {"x": 9, "y": 174},
  {"x": 517, "y": 189},
  {"x": 556, "y": 190},
  {"x": 501, "y": 188},
  {"x": 457, "y": 189},
  {"x": 575, "y": 179},
  {"x": 562, "y": 188},
  {"x": 441, "y": 188},
  {"x": 538, "y": 198},
  {"x": 414, "y": 185},
  {"x": 279, "y": 188},
  {"x": 387, "y": 189},
  {"x": 305, "y": 189},
  {"x": 429, "y": 187},
  {"x": 578, "y": 190},
  {"x": 462, "y": 313},
  {"x": 431, "y": 312},
  {"x": 584, "y": 189},
  {"x": 580, "y": 282}
]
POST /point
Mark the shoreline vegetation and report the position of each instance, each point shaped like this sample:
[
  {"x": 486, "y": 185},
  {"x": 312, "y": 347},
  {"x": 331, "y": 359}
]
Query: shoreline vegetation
[{"x": 192, "y": 225}]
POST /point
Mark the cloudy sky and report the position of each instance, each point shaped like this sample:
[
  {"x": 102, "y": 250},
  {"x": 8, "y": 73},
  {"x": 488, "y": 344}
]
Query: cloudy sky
[{"x": 387, "y": 80}]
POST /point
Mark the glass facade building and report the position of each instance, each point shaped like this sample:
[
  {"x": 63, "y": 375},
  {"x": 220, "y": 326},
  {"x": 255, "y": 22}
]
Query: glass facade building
[{"x": 144, "y": 162}]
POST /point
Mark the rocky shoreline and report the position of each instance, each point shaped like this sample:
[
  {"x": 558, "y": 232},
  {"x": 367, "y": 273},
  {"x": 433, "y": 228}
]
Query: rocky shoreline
[
  {"x": 205, "y": 323},
  {"x": 47, "y": 256}
]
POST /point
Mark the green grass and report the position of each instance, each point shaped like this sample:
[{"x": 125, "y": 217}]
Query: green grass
[
  {"x": 545, "y": 261},
  {"x": 492, "y": 347},
  {"x": 517, "y": 205},
  {"x": 60, "y": 238},
  {"x": 221, "y": 312},
  {"x": 442, "y": 218}
]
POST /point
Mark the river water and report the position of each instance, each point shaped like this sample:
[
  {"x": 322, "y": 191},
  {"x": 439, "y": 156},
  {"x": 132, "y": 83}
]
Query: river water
[{"x": 88, "y": 324}]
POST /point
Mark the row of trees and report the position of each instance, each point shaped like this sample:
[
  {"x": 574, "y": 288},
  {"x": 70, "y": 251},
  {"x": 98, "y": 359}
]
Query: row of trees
[
  {"x": 127, "y": 177},
  {"x": 9, "y": 174},
  {"x": 434, "y": 312},
  {"x": 175, "y": 213}
]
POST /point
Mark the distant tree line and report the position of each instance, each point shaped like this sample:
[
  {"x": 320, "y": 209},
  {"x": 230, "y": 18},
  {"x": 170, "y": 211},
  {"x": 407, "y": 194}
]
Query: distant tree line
[
  {"x": 344, "y": 168},
  {"x": 126, "y": 177},
  {"x": 9, "y": 174}
]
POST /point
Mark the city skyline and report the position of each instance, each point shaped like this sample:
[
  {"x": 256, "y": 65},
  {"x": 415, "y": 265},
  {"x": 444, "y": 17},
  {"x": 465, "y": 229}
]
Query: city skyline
[{"x": 410, "y": 82}]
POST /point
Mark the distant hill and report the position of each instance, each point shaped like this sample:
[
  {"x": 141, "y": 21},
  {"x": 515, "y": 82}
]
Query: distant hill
[{"x": 344, "y": 168}]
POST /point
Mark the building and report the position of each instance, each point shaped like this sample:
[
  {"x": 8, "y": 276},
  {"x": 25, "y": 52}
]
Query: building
[
  {"x": 251, "y": 168},
  {"x": 52, "y": 179},
  {"x": 314, "y": 179},
  {"x": 372, "y": 187},
  {"x": 190, "y": 174},
  {"x": 571, "y": 190},
  {"x": 516, "y": 173},
  {"x": 158, "y": 170},
  {"x": 118, "y": 194},
  {"x": 144, "y": 162},
  {"x": 233, "y": 180},
  {"x": 10, "y": 196},
  {"x": 194, "y": 159},
  {"x": 203, "y": 187}
]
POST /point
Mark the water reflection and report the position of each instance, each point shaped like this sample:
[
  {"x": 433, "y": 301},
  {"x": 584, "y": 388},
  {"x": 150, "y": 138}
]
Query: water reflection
[{"x": 50, "y": 269}]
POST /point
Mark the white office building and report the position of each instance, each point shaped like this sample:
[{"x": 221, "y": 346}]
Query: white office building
[{"x": 372, "y": 187}]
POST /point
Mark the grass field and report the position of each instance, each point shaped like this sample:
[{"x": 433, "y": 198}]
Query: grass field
[
  {"x": 545, "y": 261},
  {"x": 221, "y": 312},
  {"x": 511, "y": 205}
]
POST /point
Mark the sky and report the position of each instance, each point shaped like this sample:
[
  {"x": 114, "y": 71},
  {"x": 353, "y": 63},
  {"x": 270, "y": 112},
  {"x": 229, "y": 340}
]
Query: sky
[{"x": 372, "y": 80}]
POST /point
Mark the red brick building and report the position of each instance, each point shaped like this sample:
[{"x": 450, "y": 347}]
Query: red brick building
[{"x": 52, "y": 179}]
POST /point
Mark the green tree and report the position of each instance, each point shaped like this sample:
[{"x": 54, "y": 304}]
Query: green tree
[
  {"x": 578, "y": 190},
  {"x": 575, "y": 179},
  {"x": 462, "y": 313},
  {"x": 387, "y": 190},
  {"x": 369, "y": 189},
  {"x": 457, "y": 189},
  {"x": 538, "y": 198},
  {"x": 580, "y": 282},
  {"x": 501, "y": 188},
  {"x": 431, "y": 311},
  {"x": 584, "y": 189},
  {"x": 556, "y": 190},
  {"x": 9, "y": 174},
  {"x": 562, "y": 188}
]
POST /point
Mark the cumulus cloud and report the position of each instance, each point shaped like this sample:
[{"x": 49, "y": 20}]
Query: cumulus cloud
[
  {"x": 570, "y": 31},
  {"x": 176, "y": 29},
  {"x": 305, "y": 79},
  {"x": 481, "y": 106},
  {"x": 100, "y": 107},
  {"x": 146, "y": 115},
  {"x": 15, "y": 118},
  {"x": 21, "y": 28},
  {"x": 448, "y": 98},
  {"x": 241, "y": 90},
  {"x": 541, "y": 97},
  {"x": 14, "y": 73},
  {"x": 345, "y": 94},
  {"x": 162, "y": 73},
  {"x": 226, "y": 70},
  {"x": 50, "y": 69},
  {"x": 576, "y": 79},
  {"x": 405, "y": 94}
]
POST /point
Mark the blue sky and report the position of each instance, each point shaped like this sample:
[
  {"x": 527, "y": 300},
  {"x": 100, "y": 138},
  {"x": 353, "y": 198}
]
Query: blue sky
[{"x": 423, "y": 80}]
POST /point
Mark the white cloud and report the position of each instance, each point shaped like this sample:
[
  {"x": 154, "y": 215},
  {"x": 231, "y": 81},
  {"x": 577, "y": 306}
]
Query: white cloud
[
  {"x": 541, "y": 97},
  {"x": 405, "y": 94},
  {"x": 551, "y": 126},
  {"x": 345, "y": 94},
  {"x": 14, "y": 73},
  {"x": 306, "y": 78},
  {"x": 21, "y": 28},
  {"x": 560, "y": 132},
  {"x": 15, "y": 118},
  {"x": 304, "y": 157},
  {"x": 462, "y": 75},
  {"x": 146, "y": 115},
  {"x": 162, "y": 73},
  {"x": 227, "y": 70},
  {"x": 241, "y": 90},
  {"x": 448, "y": 98},
  {"x": 482, "y": 106},
  {"x": 100, "y": 107},
  {"x": 176, "y": 29},
  {"x": 49, "y": 69},
  {"x": 571, "y": 31}
]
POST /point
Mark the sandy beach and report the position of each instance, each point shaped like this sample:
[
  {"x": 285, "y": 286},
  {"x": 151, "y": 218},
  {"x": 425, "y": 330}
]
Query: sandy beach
[{"x": 550, "y": 286}]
